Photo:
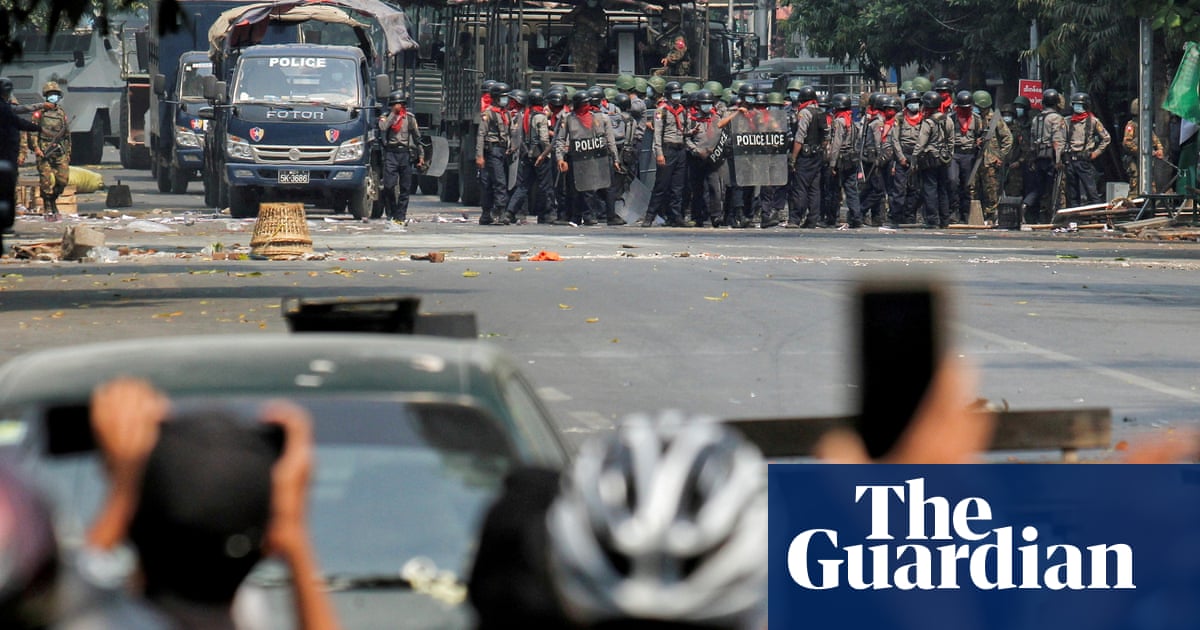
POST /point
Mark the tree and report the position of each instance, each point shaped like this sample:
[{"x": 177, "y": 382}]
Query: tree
[{"x": 49, "y": 16}]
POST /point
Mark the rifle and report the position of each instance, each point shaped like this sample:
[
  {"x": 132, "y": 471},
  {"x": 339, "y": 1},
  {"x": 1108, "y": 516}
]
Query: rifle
[{"x": 1058, "y": 182}]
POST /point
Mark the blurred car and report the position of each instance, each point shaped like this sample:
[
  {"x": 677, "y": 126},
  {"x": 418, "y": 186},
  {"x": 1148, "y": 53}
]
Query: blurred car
[{"x": 414, "y": 436}]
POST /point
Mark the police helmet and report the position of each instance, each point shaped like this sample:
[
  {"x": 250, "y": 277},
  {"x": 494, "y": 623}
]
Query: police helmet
[
  {"x": 579, "y": 98},
  {"x": 795, "y": 84},
  {"x": 639, "y": 86},
  {"x": 714, "y": 86},
  {"x": 1051, "y": 98},
  {"x": 806, "y": 93},
  {"x": 922, "y": 84},
  {"x": 518, "y": 96},
  {"x": 887, "y": 101},
  {"x": 982, "y": 99},
  {"x": 595, "y": 94},
  {"x": 736, "y": 86},
  {"x": 499, "y": 88},
  {"x": 556, "y": 98},
  {"x": 1082, "y": 98},
  {"x": 745, "y": 89},
  {"x": 691, "y": 86},
  {"x": 486, "y": 86},
  {"x": 625, "y": 82},
  {"x": 704, "y": 96},
  {"x": 823, "y": 101},
  {"x": 943, "y": 85},
  {"x": 775, "y": 98},
  {"x": 873, "y": 100},
  {"x": 963, "y": 99},
  {"x": 727, "y": 96},
  {"x": 659, "y": 84},
  {"x": 397, "y": 96},
  {"x": 840, "y": 101},
  {"x": 671, "y": 87},
  {"x": 931, "y": 100},
  {"x": 558, "y": 87},
  {"x": 1021, "y": 101},
  {"x": 622, "y": 101},
  {"x": 536, "y": 98},
  {"x": 610, "y": 93},
  {"x": 912, "y": 96}
]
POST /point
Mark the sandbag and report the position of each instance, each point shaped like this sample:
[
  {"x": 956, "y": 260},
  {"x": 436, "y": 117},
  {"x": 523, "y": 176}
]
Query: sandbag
[{"x": 85, "y": 181}]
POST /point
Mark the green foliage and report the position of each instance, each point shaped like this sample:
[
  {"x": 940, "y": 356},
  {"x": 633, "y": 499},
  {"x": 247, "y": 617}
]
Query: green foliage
[{"x": 50, "y": 16}]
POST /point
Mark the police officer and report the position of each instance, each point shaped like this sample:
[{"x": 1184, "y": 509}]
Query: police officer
[
  {"x": 997, "y": 145},
  {"x": 52, "y": 145},
  {"x": 843, "y": 157},
  {"x": 1086, "y": 140},
  {"x": 1130, "y": 148},
  {"x": 707, "y": 184},
  {"x": 966, "y": 138},
  {"x": 11, "y": 126},
  {"x": 584, "y": 123},
  {"x": 808, "y": 149},
  {"x": 670, "y": 155},
  {"x": 627, "y": 134},
  {"x": 491, "y": 157},
  {"x": 535, "y": 173},
  {"x": 883, "y": 135},
  {"x": 872, "y": 189},
  {"x": 905, "y": 196},
  {"x": 932, "y": 145},
  {"x": 945, "y": 89},
  {"x": 1048, "y": 137},
  {"x": 401, "y": 140}
]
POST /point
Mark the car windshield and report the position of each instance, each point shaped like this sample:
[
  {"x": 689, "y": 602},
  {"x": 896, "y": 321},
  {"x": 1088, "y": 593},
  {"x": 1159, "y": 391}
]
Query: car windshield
[
  {"x": 297, "y": 79},
  {"x": 191, "y": 81},
  {"x": 395, "y": 482}
]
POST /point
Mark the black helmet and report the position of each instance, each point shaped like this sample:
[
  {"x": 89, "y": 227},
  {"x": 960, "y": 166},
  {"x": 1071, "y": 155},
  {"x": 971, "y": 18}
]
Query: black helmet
[
  {"x": 823, "y": 101},
  {"x": 963, "y": 99},
  {"x": 580, "y": 97},
  {"x": 840, "y": 101},
  {"x": 536, "y": 98},
  {"x": 1051, "y": 98},
  {"x": 1021, "y": 101},
  {"x": 704, "y": 96},
  {"x": 873, "y": 100},
  {"x": 487, "y": 86},
  {"x": 931, "y": 100},
  {"x": 673, "y": 87},
  {"x": 887, "y": 101},
  {"x": 499, "y": 88},
  {"x": 807, "y": 93},
  {"x": 745, "y": 90},
  {"x": 397, "y": 96},
  {"x": 913, "y": 96},
  {"x": 943, "y": 85},
  {"x": 520, "y": 97},
  {"x": 1082, "y": 98},
  {"x": 622, "y": 101},
  {"x": 595, "y": 94},
  {"x": 556, "y": 98}
]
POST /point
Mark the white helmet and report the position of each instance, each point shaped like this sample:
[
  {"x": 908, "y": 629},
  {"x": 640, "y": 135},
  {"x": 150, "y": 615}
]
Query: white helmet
[{"x": 664, "y": 520}]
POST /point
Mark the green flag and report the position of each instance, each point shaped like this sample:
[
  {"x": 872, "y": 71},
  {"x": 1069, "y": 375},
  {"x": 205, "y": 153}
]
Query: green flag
[{"x": 1182, "y": 99}]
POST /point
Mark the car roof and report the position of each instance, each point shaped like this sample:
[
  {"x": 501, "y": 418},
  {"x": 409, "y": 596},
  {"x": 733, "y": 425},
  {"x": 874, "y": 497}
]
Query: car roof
[
  {"x": 260, "y": 363},
  {"x": 321, "y": 50}
]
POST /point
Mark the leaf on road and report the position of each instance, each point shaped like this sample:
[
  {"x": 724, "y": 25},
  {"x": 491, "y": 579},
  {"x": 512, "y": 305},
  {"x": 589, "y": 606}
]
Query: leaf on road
[
  {"x": 1023, "y": 302},
  {"x": 248, "y": 274},
  {"x": 470, "y": 274},
  {"x": 592, "y": 320},
  {"x": 1067, "y": 256},
  {"x": 615, "y": 340},
  {"x": 565, "y": 307},
  {"x": 313, "y": 274},
  {"x": 197, "y": 272},
  {"x": 718, "y": 298},
  {"x": 168, "y": 315},
  {"x": 13, "y": 275},
  {"x": 57, "y": 315},
  {"x": 571, "y": 289},
  {"x": 518, "y": 268}
]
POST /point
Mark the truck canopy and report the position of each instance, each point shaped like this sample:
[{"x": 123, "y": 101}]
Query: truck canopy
[{"x": 246, "y": 24}]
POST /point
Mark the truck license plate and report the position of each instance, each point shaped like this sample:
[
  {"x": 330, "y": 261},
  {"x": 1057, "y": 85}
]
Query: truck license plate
[{"x": 293, "y": 177}]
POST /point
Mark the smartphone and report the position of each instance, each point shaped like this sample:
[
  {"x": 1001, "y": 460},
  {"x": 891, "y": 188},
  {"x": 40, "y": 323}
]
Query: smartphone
[{"x": 900, "y": 346}]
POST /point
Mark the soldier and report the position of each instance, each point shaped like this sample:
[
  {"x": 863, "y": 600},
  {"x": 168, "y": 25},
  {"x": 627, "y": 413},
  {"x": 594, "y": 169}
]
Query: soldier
[
  {"x": 401, "y": 140},
  {"x": 965, "y": 139},
  {"x": 589, "y": 35},
  {"x": 997, "y": 145},
  {"x": 11, "y": 128},
  {"x": 1086, "y": 140},
  {"x": 1022, "y": 153},
  {"x": 1129, "y": 146},
  {"x": 808, "y": 148},
  {"x": 702, "y": 138},
  {"x": 1048, "y": 136},
  {"x": 670, "y": 155},
  {"x": 586, "y": 148},
  {"x": 930, "y": 155},
  {"x": 673, "y": 45},
  {"x": 491, "y": 157},
  {"x": 534, "y": 169},
  {"x": 843, "y": 157},
  {"x": 52, "y": 145}
]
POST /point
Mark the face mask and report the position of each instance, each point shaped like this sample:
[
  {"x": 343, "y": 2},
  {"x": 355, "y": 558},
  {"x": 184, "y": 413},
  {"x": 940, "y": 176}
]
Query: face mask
[
  {"x": 705, "y": 107},
  {"x": 1007, "y": 118},
  {"x": 749, "y": 100},
  {"x": 54, "y": 98},
  {"x": 913, "y": 107},
  {"x": 975, "y": 110},
  {"x": 1077, "y": 108},
  {"x": 649, "y": 92},
  {"x": 678, "y": 96},
  {"x": 503, "y": 101},
  {"x": 794, "y": 95},
  {"x": 1020, "y": 111}
]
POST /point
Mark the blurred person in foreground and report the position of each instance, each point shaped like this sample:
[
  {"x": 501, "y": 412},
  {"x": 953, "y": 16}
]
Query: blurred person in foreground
[{"x": 202, "y": 500}]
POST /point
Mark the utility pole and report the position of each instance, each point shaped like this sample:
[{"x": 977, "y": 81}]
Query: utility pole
[
  {"x": 1145, "y": 113},
  {"x": 1035, "y": 60}
]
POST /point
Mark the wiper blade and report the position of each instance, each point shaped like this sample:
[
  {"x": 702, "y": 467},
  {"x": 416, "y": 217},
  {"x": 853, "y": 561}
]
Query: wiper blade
[{"x": 275, "y": 104}]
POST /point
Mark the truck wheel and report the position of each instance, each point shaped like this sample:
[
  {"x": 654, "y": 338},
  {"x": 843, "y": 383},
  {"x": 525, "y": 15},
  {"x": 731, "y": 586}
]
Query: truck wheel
[
  {"x": 179, "y": 180},
  {"x": 88, "y": 148},
  {"x": 364, "y": 202},
  {"x": 163, "y": 179},
  {"x": 429, "y": 185},
  {"x": 242, "y": 204},
  {"x": 448, "y": 187}
]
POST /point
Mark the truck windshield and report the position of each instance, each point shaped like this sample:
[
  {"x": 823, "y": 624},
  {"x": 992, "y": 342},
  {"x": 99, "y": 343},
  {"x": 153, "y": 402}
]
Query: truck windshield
[
  {"x": 297, "y": 79},
  {"x": 191, "y": 82}
]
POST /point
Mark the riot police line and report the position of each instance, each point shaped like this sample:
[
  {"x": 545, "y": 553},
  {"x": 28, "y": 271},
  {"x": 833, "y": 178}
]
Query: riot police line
[{"x": 658, "y": 152}]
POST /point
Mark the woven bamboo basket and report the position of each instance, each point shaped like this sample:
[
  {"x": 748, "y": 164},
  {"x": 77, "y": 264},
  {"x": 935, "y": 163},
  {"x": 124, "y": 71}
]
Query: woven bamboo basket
[{"x": 281, "y": 231}]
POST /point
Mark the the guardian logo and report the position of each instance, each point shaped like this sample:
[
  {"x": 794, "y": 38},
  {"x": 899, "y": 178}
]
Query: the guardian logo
[{"x": 948, "y": 547}]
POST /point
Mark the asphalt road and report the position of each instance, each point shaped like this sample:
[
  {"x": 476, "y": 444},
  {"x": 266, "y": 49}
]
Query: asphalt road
[{"x": 747, "y": 324}]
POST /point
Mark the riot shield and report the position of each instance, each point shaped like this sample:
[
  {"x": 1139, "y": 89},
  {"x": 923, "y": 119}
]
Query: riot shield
[
  {"x": 633, "y": 205},
  {"x": 758, "y": 147},
  {"x": 591, "y": 163},
  {"x": 712, "y": 140}
]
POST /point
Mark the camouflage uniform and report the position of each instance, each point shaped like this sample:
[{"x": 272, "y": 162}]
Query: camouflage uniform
[
  {"x": 996, "y": 149},
  {"x": 591, "y": 29},
  {"x": 1021, "y": 154},
  {"x": 1130, "y": 146},
  {"x": 674, "y": 57},
  {"x": 53, "y": 141}
]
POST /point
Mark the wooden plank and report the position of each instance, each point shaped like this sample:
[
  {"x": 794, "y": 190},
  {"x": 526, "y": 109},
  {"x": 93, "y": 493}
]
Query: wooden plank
[
  {"x": 1054, "y": 429},
  {"x": 1137, "y": 226}
]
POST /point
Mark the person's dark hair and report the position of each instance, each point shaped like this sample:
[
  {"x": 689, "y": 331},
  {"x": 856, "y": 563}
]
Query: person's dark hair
[{"x": 205, "y": 503}]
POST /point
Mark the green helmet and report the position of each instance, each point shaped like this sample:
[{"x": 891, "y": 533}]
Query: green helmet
[
  {"x": 625, "y": 82},
  {"x": 1021, "y": 101},
  {"x": 659, "y": 84},
  {"x": 982, "y": 99},
  {"x": 795, "y": 84},
  {"x": 570, "y": 91},
  {"x": 727, "y": 96},
  {"x": 610, "y": 93},
  {"x": 639, "y": 86},
  {"x": 775, "y": 98},
  {"x": 714, "y": 86},
  {"x": 906, "y": 87},
  {"x": 922, "y": 84},
  {"x": 736, "y": 85},
  {"x": 691, "y": 86}
]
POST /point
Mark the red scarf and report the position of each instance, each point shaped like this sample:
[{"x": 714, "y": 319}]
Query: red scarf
[
  {"x": 805, "y": 104},
  {"x": 699, "y": 116},
  {"x": 914, "y": 121},
  {"x": 529, "y": 112},
  {"x": 944, "y": 106},
  {"x": 485, "y": 102},
  {"x": 1078, "y": 118},
  {"x": 675, "y": 111},
  {"x": 401, "y": 116},
  {"x": 503, "y": 113},
  {"x": 847, "y": 116},
  {"x": 889, "y": 119},
  {"x": 585, "y": 116},
  {"x": 964, "y": 120}
]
